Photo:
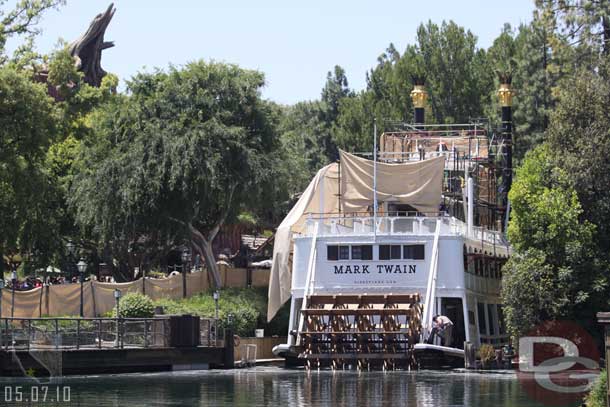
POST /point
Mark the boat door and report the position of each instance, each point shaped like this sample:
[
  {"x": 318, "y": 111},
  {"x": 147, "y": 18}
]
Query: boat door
[{"x": 453, "y": 309}]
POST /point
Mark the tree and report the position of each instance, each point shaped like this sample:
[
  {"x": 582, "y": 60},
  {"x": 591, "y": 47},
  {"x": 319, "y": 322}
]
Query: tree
[
  {"x": 27, "y": 128},
  {"x": 579, "y": 135},
  {"x": 457, "y": 77},
  {"x": 176, "y": 158},
  {"x": 550, "y": 274},
  {"x": 23, "y": 19}
]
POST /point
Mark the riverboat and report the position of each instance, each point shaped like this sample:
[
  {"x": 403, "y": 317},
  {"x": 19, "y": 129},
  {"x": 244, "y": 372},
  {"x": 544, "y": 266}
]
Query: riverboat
[{"x": 380, "y": 243}]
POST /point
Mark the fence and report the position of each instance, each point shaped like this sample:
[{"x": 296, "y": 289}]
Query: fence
[
  {"x": 98, "y": 297},
  {"x": 93, "y": 333}
]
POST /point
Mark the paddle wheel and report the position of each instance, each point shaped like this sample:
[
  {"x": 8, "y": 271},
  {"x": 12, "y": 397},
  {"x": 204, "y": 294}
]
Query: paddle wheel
[{"x": 366, "y": 331}]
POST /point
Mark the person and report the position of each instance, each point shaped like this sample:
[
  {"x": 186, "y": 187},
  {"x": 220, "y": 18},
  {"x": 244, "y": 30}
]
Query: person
[{"x": 443, "y": 327}]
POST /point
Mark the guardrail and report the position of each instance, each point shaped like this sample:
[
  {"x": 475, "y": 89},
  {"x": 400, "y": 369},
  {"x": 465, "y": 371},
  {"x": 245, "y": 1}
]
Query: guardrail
[
  {"x": 347, "y": 224},
  {"x": 94, "y": 333}
]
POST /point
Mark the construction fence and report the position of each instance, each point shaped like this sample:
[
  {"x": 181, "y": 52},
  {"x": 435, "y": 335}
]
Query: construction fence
[{"x": 98, "y": 297}]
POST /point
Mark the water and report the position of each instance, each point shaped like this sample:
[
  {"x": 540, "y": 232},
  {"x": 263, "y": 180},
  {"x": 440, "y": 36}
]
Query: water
[{"x": 274, "y": 386}]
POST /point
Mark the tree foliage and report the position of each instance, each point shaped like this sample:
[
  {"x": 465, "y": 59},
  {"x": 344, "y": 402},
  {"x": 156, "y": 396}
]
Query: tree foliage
[
  {"x": 27, "y": 128},
  {"x": 549, "y": 276},
  {"x": 175, "y": 158}
]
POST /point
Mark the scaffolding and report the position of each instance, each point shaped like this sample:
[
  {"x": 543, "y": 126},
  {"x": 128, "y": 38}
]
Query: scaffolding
[{"x": 472, "y": 150}]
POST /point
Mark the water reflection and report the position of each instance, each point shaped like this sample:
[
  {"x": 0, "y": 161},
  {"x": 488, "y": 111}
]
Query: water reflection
[{"x": 279, "y": 387}]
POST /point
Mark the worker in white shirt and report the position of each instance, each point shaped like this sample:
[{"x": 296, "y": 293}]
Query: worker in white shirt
[{"x": 443, "y": 327}]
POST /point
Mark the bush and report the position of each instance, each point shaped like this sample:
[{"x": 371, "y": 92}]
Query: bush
[
  {"x": 135, "y": 305},
  {"x": 248, "y": 306},
  {"x": 597, "y": 395},
  {"x": 487, "y": 354}
]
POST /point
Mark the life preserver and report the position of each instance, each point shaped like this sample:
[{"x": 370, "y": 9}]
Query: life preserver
[{"x": 236, "y": 340}]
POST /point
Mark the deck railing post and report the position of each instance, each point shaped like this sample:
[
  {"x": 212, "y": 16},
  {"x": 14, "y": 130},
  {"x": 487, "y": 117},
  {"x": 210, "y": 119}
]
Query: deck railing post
[
  {"x": 56, "y": 333},
  {"x": 99, "y": 333},
  {"x": 29, "y": 333},
  {"x": 146, "y": 333},
  {"x": 78, "y": 334}
]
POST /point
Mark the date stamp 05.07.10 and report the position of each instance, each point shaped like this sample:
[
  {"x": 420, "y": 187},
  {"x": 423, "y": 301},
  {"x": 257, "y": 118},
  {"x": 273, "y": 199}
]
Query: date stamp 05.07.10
[{"x": 36, "y": 394}]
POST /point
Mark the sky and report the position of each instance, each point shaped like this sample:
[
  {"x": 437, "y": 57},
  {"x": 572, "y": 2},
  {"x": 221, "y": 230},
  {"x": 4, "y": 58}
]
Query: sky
[{"x": 294, "y": 43}]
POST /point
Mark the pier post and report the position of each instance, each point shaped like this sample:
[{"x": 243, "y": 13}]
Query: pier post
[
  {"x": 470, "y": 361},
  {"x": 229, "y": 351}
]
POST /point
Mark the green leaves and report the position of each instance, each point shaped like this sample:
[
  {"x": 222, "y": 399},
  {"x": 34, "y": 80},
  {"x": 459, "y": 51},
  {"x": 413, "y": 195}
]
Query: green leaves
[
  {"x": 135, "y": 305},
  {"x": 185, "y": 149}
]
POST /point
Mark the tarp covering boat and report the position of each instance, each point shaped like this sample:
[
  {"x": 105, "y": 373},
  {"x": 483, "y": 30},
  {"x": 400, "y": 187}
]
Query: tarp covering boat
[{"x": 418, "y": 184}]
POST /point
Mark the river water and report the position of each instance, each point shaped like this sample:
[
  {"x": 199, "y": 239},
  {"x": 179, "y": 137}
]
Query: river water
[{"x": 274, "y": 386}]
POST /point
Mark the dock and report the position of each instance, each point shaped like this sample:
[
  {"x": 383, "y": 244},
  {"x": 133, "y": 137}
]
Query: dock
[{"x": 52, "y": 347}]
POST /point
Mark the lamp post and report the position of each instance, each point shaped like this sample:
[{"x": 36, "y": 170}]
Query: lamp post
[
  {"x": 82, "y": 267},
  {"x": 216, "y": 298},
  {"x": 13, "y": 284},
  {"x": 1, "y": 289},
  {"x": 186, "y": 259},
  {"x": 117, "y": 298}
]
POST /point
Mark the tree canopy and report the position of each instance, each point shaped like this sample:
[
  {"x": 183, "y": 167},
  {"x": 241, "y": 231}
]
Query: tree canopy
[{"x": 174, "y": 159}]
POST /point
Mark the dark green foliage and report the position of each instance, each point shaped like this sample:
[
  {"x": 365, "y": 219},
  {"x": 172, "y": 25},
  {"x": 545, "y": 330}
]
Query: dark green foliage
[
  {"x": 174, "y": 160},
  {"x": 27, "y": 128},
  {"x": 135, "y": 305},
  {"x": 457, "y": 77},
  {"x": 550, "y": 273}
]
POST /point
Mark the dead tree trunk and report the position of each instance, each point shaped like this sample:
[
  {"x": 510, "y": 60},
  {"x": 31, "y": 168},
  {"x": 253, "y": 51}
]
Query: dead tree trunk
[{"x": 87, "y": 50}]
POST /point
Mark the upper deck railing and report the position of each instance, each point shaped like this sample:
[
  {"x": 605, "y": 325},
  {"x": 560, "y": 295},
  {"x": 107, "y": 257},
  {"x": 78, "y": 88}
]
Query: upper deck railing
[{"x": 397, "y": 224}]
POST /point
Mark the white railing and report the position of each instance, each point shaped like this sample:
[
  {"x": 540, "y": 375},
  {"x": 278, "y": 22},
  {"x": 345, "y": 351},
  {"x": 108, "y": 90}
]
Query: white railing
[{"x": 363, "y": 225}]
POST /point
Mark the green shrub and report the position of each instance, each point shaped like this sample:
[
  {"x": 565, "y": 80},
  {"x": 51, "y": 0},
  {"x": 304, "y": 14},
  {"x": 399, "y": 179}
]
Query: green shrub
[
  {"x": 135, "y": 305},
  {"x": 487, "y": 354},
  {"x": 597, "y": 395},
  {"x": 248, "y": 306}
]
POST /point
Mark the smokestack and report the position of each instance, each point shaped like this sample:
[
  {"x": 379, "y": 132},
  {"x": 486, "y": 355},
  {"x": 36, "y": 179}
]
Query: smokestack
[
  {"x": 505, "y": 94},
  {"x": 419, "y": 96}
]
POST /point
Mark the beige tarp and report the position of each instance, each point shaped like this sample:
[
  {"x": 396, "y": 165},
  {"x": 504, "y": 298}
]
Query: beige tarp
[
  {"x": 318, "y": 197},
  {"x": 418, "y": 184},
  {"x": 98, "y": 297}
]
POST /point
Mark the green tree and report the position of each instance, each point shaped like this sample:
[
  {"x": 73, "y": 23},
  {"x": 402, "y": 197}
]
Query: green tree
[
  {"x": 549, "y": 275},
  {"x": 22, "y": 19},
  {"x": 579, "y": 135},
  {"x": 176, "y": 158},
  {"x": 27, "y": 128},
  {"x": 458, "y": 79}
]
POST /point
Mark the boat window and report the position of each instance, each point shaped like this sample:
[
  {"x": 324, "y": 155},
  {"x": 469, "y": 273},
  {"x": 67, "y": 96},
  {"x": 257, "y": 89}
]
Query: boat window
[
  {"x": 413, "y": 252},
  {"x": 490, "y": 313},
  {"x": 482, "y": 320},
  {"x": 343, "y": 252},
  {"x": 501, "y": 320},
  {"x": 395, "y": 252},
  {"x": 332, "y": 252},
  {"x": 362, "y": 252},
  {"x": 384, "y": 252}
]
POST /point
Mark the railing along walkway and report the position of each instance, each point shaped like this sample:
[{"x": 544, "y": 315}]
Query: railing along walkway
[{"x": 94, "y": 333}]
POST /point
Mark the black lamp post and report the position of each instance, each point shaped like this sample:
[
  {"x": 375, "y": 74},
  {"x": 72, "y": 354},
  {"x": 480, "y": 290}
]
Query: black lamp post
[
  {"x": 13, "y": 287},
  {"x": 186, "y": 259},
  {"x": 1, "y": 289},
  {"x": 82, "y": 267}
]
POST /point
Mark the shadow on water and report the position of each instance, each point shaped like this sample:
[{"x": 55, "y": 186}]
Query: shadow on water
[{"x": 272, "y": 386}]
